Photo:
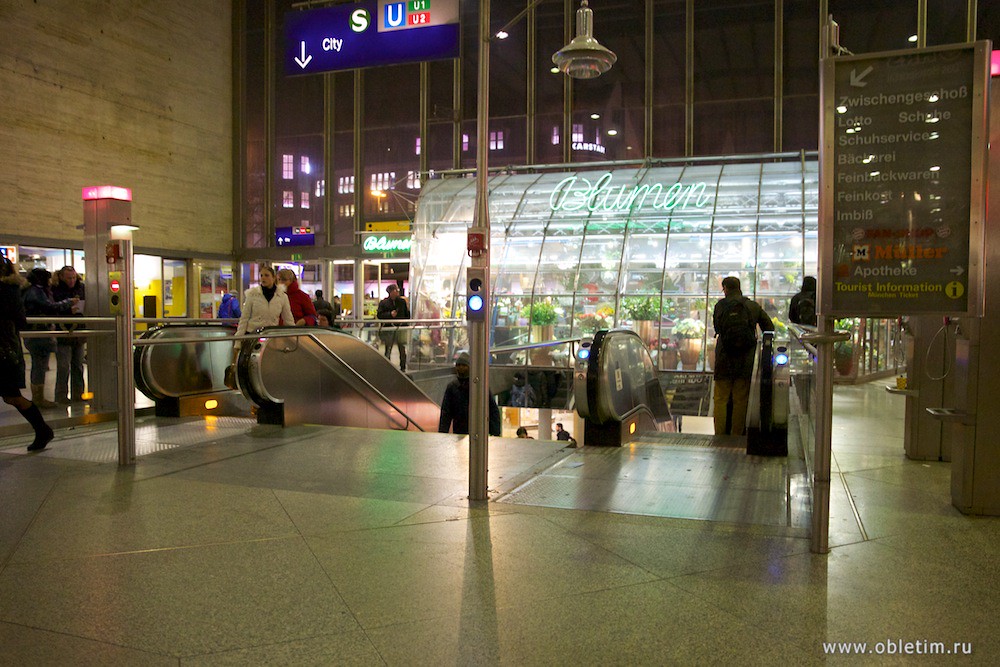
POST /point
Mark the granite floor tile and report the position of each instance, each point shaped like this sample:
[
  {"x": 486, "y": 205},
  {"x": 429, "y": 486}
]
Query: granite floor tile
[
  {"x": 23, "y": 645},
  {"x": 180, "y": 602}
]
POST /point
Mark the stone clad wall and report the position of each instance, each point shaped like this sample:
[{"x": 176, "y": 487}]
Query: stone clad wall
[{"x": 121, "y": 92}]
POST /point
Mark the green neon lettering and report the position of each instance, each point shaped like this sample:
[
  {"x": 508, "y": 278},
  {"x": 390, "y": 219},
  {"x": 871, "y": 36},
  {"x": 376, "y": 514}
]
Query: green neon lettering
[{"x": 574, "y": 193}]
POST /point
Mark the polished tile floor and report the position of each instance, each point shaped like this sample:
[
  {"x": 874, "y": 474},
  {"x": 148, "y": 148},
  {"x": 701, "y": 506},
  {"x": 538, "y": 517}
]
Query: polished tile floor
[{"x": 329, "y": 546}]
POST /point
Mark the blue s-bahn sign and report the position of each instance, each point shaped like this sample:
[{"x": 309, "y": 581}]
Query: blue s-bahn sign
[{"x": 370, "y": 34}]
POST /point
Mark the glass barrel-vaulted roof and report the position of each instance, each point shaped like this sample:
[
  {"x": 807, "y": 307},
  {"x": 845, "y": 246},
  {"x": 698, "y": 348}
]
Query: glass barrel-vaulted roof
[{"x": 641, "y": 247}]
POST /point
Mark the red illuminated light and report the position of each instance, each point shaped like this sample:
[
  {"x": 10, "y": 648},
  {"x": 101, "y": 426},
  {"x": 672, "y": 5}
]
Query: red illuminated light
[
  {"x": 995, "y": 63},
  {"x": 95, "y": 192},
  {"x": 115, "y": 286}
]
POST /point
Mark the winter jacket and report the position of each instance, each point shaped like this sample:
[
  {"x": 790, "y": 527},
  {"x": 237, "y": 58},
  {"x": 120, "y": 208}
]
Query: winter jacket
[
  {"x": 455, "y": 409},
  {"x": 11, "y": 319},
  {"x": 301, "y": 305},
  {"x": 230, "y": 307},
  {"x": 259, "y": 312},
  {"x": 60, "y": 292},
  {"x": 38, "y": 303}
]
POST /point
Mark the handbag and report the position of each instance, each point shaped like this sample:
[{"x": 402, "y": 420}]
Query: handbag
[{"x": 229, "y": 377}]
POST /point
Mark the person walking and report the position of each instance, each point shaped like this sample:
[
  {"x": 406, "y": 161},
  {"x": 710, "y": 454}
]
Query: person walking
[
  {"x": 70, "y": 350},
  {"x": 38, "y": 302},
  {"x": 12, "y": 322},
  {"x": 265, "y": 305},
  {"x": 455, "y": 404},
  {"x": 393, "y": 307},
  {"x": 802, "y": 309},
  {"x": 229, "y": 307},
  {"x": 736, "y": 319},
  {"x": 319, "y": 303},
  {"x": 303, "y": 312}
]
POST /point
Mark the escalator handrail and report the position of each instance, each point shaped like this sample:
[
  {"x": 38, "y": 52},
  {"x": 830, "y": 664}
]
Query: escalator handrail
[{"x": 360, "y": 377}]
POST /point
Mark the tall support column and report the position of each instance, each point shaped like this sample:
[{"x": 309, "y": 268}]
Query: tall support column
[
  {"x": 647, "y": 143},
  {"x": 479, "y": 392},
  {"x": 103, "y": 207},
  {"x": 122, "y": 235},
  {"x": 779, "y": 71}
]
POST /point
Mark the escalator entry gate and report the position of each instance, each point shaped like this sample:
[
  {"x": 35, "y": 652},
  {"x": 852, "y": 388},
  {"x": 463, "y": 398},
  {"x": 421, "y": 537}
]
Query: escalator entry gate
[{"x": 770, "y": 436}]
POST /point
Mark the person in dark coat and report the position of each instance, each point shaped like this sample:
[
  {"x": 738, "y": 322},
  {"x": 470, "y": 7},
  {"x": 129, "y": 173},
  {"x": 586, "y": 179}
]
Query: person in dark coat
[
  {"x": 734, "y": 367},
  {"x": 802, "y": 309},
  {"x": 393, "y": 307},
  {"x": 12, "y": 322},
  {"x": 70, "y": 350},
  {"x": 319, "y": 303},
  {"x": 455, "y": 404},
  {"x": 38, "y": 302}
]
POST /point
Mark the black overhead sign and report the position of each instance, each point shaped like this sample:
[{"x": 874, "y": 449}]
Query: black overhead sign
[{"x": 904, "y": 155}]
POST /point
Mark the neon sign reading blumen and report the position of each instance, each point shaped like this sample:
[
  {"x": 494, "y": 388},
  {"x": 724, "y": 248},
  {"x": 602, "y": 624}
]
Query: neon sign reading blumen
[{"x": 576, "y": 192}]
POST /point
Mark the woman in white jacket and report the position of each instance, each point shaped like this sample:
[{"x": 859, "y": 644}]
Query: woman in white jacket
[{"x": 266, "y": 305}]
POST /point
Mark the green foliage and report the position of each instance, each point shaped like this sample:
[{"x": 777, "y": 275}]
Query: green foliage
[
  {"x": 844, "y": 348},
  {"x": 641, "y": 308},
  {"x": 689, "y": 328},
  {"x": 540, "y": 313}
]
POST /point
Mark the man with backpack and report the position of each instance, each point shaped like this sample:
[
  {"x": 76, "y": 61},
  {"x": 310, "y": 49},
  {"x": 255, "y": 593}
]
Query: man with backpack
[
  {"x": 802, "y": 309},
  {"x": 736, "y": 319}
]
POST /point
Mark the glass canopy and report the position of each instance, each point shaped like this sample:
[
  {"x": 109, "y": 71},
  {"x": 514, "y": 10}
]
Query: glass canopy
[{"x": 641, "y": 247}]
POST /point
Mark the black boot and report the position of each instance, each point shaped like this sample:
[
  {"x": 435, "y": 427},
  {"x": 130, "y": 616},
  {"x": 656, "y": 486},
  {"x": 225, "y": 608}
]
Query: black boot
[{"x": 43, "y": 433}]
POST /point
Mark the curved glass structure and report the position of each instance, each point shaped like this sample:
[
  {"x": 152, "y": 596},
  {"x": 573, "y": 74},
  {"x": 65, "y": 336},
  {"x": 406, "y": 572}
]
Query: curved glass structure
[{"x": 640, "y": 247}]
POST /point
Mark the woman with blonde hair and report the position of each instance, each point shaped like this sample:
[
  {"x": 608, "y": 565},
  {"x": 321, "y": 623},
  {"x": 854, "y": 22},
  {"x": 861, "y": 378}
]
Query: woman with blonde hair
[{"x": 265, "y": 305}]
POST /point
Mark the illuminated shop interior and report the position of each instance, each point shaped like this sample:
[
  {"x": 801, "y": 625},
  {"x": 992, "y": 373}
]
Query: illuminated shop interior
[{"x": 638, "y": 247}]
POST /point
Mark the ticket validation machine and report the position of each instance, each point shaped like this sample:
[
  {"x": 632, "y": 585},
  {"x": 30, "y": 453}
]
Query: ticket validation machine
[{"x": 104, "y": 206}]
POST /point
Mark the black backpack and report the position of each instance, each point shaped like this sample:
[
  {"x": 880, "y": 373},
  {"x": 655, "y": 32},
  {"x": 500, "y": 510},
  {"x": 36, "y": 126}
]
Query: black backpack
[
  {"x": 736, "y": 327},
  {"x": 807, "y": 309}
]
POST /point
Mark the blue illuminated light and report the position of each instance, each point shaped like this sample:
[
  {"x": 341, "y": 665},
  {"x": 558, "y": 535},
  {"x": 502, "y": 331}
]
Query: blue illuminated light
[
  {"x": 583, "y": 353},
  {"x": 781, "y": 359},
  {"x": 476, "y": 302}
]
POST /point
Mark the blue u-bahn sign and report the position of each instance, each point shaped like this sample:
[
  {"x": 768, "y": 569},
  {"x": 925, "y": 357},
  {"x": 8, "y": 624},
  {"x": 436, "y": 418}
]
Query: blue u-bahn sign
[{"x": 370, "y": 34}]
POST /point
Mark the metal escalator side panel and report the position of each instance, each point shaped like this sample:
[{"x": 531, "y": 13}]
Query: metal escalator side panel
[
  {"x": 184, "y": 369},
  {"x": 622, "y": 377},
  {"x": 316, "y": 377}
]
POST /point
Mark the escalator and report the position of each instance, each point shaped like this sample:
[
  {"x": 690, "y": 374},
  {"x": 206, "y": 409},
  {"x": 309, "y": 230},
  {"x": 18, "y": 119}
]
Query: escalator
[
  {"x": 180, "y": 378},
  {"x": 320, "y": 376},
  {"x": 326, "y": 376},
  {"x": 617, "y": 390},
  {"x": 620, "y": 397}
]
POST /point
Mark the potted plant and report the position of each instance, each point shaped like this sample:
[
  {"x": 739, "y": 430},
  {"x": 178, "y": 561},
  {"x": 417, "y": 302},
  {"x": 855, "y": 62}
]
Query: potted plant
[
  {"x": 689, "y": 333},
  {"x": 588, "y": 323},
  {"x": 843, "y": 357},
  {"x": 542, "y": 316},
  {"x": 668, "y": 354},
  {"x": 643, "y": 311}
]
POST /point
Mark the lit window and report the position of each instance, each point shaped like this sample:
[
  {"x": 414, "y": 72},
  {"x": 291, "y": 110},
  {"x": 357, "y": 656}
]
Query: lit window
[
  {"x": 465, "y": 142},
  {"x": 288, "y": 167},
  {"x": 306, "y": 169},
  {"x": 320, "y": 188},
  {"x": 496, "y": 141},
  {"x": 417, "y": 146},
  {"x": 577, "y": 133},
  {"x": 555, "y": 135},
  {"x": 413, "y": 180},
  {"x": 305, "y": 200},
  {"x": 288, "y": 199}
]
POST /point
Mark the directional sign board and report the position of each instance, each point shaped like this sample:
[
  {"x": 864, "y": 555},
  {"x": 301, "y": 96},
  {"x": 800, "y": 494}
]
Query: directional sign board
[
  {"x": 369, "y": 34},
  {"x": 903, "y": 172}
]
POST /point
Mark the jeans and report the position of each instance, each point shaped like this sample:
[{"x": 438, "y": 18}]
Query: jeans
[
  {"x": 740, "y": 391},
  {"x": 40, "y": 349},
  {"x": 69, "y": 369}
]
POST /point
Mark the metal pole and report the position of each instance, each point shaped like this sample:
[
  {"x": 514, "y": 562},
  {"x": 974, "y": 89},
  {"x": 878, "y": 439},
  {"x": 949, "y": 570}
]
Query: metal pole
[
  {"x": 820, "y": 539},
  {"x": 123, "y": 337},
  {"x": 479, "y": 391}
]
